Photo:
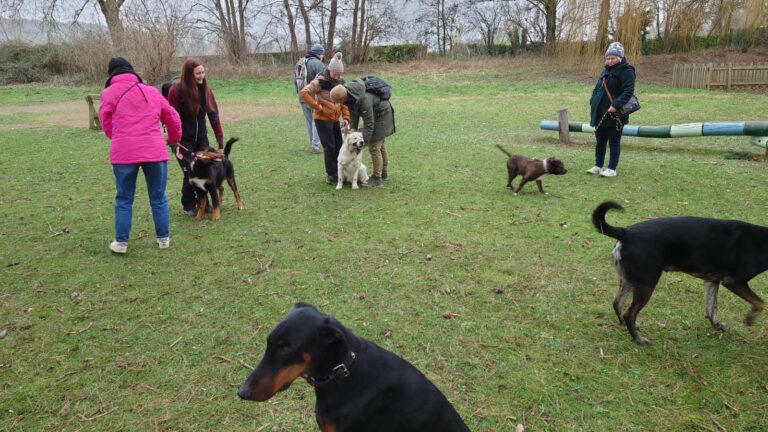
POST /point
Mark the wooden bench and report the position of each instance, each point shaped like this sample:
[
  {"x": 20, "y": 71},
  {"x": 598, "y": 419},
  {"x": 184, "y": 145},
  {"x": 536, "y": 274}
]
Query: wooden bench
[{"x": 93, "y": 113}]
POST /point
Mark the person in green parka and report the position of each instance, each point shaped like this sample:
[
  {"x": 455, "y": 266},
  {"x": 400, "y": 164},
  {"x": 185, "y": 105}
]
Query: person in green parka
[{"x": 378, "y": 122}]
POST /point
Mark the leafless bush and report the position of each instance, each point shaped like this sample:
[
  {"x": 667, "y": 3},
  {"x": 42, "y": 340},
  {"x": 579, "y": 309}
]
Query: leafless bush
[{"x": 88, "y": 55}]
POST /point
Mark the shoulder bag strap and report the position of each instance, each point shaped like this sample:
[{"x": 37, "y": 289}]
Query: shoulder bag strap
[{"x": 608, "y": 92}]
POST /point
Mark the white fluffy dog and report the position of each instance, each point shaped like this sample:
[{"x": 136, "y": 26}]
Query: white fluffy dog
[{"x": 351, "y": 167}]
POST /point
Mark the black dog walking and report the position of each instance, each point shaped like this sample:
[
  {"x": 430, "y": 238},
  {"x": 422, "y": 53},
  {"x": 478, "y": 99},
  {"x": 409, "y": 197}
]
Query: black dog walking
[
  {"x": 207, "y": 172},
  {"x": 727, "y": 252},
  {"x": 359, "y": 387}
]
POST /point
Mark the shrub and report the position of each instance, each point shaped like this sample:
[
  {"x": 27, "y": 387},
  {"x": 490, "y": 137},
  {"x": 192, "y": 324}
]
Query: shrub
[
  {"x": 22, "y": 63},
  {"x": 397, "y": 53}
]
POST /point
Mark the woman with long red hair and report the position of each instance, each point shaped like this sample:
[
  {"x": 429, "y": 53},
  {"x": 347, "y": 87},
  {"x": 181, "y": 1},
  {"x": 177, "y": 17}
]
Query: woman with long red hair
[{"x": 194, "y": 101}]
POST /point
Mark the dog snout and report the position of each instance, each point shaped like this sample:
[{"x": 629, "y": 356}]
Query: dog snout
[{"x": 244, "y": 392}]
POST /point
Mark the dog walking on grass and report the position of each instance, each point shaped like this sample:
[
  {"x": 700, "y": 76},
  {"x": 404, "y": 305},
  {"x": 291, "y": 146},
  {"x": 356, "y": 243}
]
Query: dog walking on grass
[{"x": 727, "y": 252}]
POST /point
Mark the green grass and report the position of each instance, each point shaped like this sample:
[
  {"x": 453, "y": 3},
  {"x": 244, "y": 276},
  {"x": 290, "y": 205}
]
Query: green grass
[{"x": 157, "y": 340}]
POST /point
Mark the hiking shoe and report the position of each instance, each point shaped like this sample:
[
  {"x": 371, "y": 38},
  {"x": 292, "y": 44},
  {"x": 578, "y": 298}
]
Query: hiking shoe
[
  {"x": 595, "y": 170},
  {"x": 373, "y": 182},
  {"x": 608, "y": 173},
  {"x": 118, "y": 247},
  {"x": 164, "y": 243},
  {"x": 316, "y": 150},
  {"x": 384, "y": 174},
  {"x": 331, "y": 180},
  {"x": 190, "y": 212}
]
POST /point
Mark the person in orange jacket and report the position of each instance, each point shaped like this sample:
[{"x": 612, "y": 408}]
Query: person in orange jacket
[{"x": 326, "y": 114}]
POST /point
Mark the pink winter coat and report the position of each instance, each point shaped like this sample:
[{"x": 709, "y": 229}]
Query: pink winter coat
[{"x": 130, "y": 114}]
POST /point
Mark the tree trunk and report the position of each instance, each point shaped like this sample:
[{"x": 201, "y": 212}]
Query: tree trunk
[
  {"x": 332, "y": 26},
  {"x": 601, "y": 39},
  {"x": 291, "y": 27},
  {"x": 307, "y": 28},
  {"x": 361, "y": 30},
  {"x": 353, "y": 47},
  {"x": 111, "y": 11},
  {"x": 550, "y": 9}
]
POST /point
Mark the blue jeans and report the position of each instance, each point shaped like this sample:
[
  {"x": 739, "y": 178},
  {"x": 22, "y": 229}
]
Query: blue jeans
[
  {"x": 612, "y": 137},
  {"x": 314, "y": 138},
  {"x": 156, "y": 176}
]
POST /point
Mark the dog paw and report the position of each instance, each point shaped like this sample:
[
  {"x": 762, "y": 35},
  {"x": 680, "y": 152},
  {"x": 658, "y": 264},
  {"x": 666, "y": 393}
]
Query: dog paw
[
  {"x": 642, "y": 341},
  {"x": 749, "y": 320},
  {"x": 338, "y": 187},
  {"x": 719, "y": 326},
  {"x": 514, "y": 193},
  {"x": 354, "y": 186}
]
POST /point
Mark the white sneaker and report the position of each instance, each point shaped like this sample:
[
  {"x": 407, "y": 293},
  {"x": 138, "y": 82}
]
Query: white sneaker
[
  {"x": 594, "y": 170},
  {"x": 118, "y": 247},
  {"x": 608, "y": 173},
  {"x": 164, "y": 243}
]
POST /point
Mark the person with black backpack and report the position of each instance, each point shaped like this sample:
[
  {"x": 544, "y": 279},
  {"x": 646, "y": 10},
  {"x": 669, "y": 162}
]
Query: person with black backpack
[
  {"x": 305, "y": 70},
  {"x": 368, "y": 98}
]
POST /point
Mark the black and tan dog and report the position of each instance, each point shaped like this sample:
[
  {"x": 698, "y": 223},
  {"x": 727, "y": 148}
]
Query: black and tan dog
[
  {"x": 358, "y": 385},
  {"x": 530, "y": 169},
  {"x": 727, "y": 252},
  {"x": 207, "y": 172}
]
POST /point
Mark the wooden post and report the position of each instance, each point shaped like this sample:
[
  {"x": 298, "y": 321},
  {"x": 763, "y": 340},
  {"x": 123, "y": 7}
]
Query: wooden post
[
  {"x": 730, "y": 74},
  {"x": 562, "y": 124},
  {"x": 93, "y": 115}
]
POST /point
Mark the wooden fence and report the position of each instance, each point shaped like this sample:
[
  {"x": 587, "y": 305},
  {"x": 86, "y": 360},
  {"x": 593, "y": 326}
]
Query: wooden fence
[{"x": 723, "y": 75}]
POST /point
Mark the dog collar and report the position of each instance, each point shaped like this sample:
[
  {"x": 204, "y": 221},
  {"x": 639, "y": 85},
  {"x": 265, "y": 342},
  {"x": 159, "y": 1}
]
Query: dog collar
[
  {"x": 341, "y": 371},
  {"x": 545, "y": 167}
]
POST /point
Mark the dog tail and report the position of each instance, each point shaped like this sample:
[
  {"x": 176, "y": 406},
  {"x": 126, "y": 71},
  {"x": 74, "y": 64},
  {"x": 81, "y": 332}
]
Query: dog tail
[
  {"x": 504, "y": 150},
  {"x": 598, "y": 220},
  {"x": 228, "y": 145}
]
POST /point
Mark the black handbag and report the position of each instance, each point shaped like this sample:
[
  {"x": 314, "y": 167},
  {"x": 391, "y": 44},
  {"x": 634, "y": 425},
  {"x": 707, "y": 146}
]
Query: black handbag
[{"x": 631, "y": 106}]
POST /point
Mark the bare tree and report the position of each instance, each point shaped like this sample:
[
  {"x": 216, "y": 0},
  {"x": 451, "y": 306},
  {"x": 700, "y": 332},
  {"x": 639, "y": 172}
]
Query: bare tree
[
  {"x": 601, "y": 39},
  {"x": 291, "y": 26},
  {"x": 486, "y": 17},
  {"x": 548, "y": 9},
  {"x": 307, "y": 23}
]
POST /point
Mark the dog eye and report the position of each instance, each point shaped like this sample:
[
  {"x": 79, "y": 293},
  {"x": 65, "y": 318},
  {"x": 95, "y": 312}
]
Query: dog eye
[{"x": 283, "y": 347}]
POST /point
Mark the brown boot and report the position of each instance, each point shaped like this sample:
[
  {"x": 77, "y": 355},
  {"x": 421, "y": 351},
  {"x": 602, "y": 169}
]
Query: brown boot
[
  {"x": 374, "y": 182},
  {"x": 384, "y": 174}
]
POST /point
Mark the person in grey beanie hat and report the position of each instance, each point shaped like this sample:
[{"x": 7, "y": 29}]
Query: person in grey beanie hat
[
  {"x": 615, "y": 49},
  {"x": 306, "y": 69},
  {"x": 317, "y": 49},
  {"x": 613, "y": 89}
]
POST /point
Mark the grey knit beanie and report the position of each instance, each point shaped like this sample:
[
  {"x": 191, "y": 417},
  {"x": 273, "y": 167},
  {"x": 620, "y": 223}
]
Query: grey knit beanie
[
  {"x": 336, "y": 65},
  {"x": 615, "y": 49},
  {"x": 317, "y": 49}
]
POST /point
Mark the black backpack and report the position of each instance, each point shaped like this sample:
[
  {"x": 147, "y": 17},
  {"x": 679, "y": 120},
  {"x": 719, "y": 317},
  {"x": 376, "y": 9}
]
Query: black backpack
[
  {"x": 166, "y": 87},
  {"x": 377, "y": 86}
]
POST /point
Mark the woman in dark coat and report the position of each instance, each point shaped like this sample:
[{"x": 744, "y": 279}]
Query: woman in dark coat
[
  {"x": 619, "y": 78},
  {"x": 194, "y": 101}
]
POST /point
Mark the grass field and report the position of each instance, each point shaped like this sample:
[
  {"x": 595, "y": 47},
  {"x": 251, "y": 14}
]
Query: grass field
[{"x": 160, "y": 340}]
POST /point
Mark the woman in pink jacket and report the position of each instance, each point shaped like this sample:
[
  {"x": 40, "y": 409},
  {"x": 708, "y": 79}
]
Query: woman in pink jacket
[{"x": 130, "y": 113}]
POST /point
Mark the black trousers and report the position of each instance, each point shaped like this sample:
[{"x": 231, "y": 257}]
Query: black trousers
[
  {"x": 189, "y": 193},
  {"x": 330, "y": 138}
]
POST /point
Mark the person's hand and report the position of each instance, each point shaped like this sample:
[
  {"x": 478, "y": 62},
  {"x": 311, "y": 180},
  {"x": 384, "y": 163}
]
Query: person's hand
[
  {"x": 611, "y": 109},
  {"x": 319, "y": 108},
  {"x": 179, "y": 156},
  {"x": 345, "y": 124}
]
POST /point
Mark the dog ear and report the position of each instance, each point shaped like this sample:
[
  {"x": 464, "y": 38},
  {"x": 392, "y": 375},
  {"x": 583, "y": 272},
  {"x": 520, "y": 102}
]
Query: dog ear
[
  {"x": 299, "y": 305},
  {"x": 329, "y": 334}
]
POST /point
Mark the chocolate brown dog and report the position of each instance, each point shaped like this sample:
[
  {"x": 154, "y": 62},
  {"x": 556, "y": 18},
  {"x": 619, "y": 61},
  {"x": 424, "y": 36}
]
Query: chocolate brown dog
[{"x": 530, "y": 169}]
